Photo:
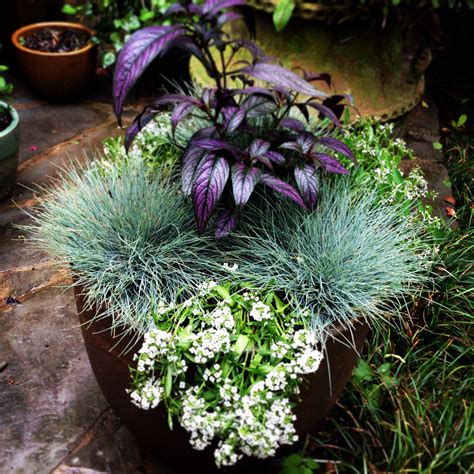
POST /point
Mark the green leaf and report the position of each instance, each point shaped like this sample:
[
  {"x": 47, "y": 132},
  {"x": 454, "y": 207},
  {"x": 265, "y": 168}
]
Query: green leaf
[
  {"x": 146, "y": 15},
  {"x": 397, "y": 176},
  {"x": 168, "y": 381},
  {"x": 282, "y": 13},
  {"x": 69, "y": 9},
  {"x": 462, "y": 120},
  {"x": 240, "y": 344},
  {"x": 3, "y": 68},
  {"x": 108, "y": 59},
  {"x": 312, "y": 464},
  {"x": 292, "y": 460},
  {"x": 362, "y": 372},
  {"x": 384, "y": 369},
  {"x": 437, "y": 146}
]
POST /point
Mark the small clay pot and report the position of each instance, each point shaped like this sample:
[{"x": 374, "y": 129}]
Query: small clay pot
[
  {"x": 57, "y": 76},
  {"x": 9, "y": 143},
  {"x": 111, "y": 357}
]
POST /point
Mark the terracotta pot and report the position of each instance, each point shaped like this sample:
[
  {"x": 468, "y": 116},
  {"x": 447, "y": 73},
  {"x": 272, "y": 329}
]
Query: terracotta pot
[
  {"x": 56, "y": 75},
  {"x": 9, "y": 143},
  {"x": 111, "y": 369}
]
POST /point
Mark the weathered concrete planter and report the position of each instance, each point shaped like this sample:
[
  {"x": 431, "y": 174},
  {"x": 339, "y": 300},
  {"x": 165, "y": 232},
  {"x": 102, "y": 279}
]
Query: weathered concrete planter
[
  {"x": 371, "y": 63},
  {"x": 56, "y": 75},
  {"x": 9, "y": 143},
  {"x": 150, "y": 428}
]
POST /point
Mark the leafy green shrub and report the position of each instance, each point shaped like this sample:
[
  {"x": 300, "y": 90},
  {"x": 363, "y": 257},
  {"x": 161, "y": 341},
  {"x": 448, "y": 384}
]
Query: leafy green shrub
[
  {"x": 350, "y": 258},
  {"x": 116, "y": 20},
  {"x": 128, "y": 238}
]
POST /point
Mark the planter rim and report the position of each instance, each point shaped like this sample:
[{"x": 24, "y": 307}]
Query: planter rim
[
  {"x": 45, "y": 24},
  {"x": 14, "y": 122}
]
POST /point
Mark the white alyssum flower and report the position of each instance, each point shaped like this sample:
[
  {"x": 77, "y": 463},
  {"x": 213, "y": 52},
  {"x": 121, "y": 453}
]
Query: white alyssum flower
[
  {"x": 149, "y": 395},
  {"x": 260, "y": 311}
]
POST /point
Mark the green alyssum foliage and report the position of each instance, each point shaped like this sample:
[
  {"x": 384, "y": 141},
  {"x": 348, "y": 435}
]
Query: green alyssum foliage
[
  {"x": 351, "y": 258},
  {"x": 128, "y": 238}
]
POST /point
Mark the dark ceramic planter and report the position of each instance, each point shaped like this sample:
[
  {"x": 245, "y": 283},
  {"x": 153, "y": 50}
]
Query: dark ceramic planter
[
  {"x": 9, "y": 143},
  {"x": 57, "y": 76},
  {"x": 150, "y": 428}
]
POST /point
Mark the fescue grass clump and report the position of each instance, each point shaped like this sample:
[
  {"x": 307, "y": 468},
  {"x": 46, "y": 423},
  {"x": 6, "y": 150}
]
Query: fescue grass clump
[
  {"x": 350, "y": 258},
  {"x": 129, "y": 239}
]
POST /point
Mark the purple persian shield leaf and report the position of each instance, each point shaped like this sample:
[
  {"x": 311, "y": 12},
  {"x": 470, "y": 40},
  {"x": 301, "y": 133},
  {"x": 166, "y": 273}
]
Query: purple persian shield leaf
[
  {"x": 141, "y": 48},
  {"x": 257, "y": 105},
  {"x": 293, "y": 124},
  {"x": 244, "y": 180},
  {"x": 323, "y": 76},
  {"x": 226, "y": 222},
  {"x": 176, "y": 8},
  {"x": 206, "y": 132},
  {"x": 211, "y": 8},
  {"x": 283, "y": 188},
  {"x": 283, "y": 77},
  {"x": 338, "y": 146},
  {"x": 306, "y": 140},
  {"x": 291, "y": 146},
  {"x": 214, "y": 144},
  {"x": 139, "y": 122},
  {"x": 210, "y": 179},
  {"x": 276, "y": 157},
  {"x": 327, "y": 112},
  {"x": 308, "y": 184},
  {"x": 265, "y": 160},
  {"x": 330, "y": 164},
  {"x": 191, "y": 158},
  {"x": 180, "y": 111},
  {"x": 233, "y": 123},
  {"x": 227, "y": 17},
  {"x": 258, "y": 147}
]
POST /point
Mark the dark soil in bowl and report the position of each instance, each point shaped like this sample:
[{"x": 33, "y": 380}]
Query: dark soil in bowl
[
  {"x": 5, "y": 119},
  {"x": 56, "y": 40}
]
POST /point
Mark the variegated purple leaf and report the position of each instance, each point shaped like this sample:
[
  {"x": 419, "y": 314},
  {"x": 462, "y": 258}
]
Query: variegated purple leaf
[
  {"x": 211, "y": 177},
  {"x": 308, "y": 183},
  {"x": 323, "y": 76},
  {"x": 283, "y": 77},
  {"x": 291, "y": 146},
  {"x": 214, "y": 144},
  {"x": 139, "y": 122},
  {"x": 228, "y": 17},
  {"x": 327, "y": 112},
  {"x": 226, "y": 222},
  {"x": 265, "y": 160},
  {"x": 258, "y": 147},
  {"x": 190, "y": 160},
  {"x": 257, "y": 105},
  {"x": 244, "y": 180},
  {"x": 180, "y": 111},
  {"x": 211, "y": 9},
  {"x": 206, "y": 132},
  {"x": 330, "y": 164},
  {"x": 276, "y": 157},
  {"x": 233, "y": 122},
  {"x": 337, "y": 146},
  {"x": 141, "y": 48},
  {"x": 173, "y": 9},
  {"x": 292, "y": 124},
  {"x": 306, "y": 141},
  {"x": 282, "y": 187}
]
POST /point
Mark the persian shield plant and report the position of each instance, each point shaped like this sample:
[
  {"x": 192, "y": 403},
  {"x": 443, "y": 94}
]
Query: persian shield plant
[{"x": 251, "y": 134}]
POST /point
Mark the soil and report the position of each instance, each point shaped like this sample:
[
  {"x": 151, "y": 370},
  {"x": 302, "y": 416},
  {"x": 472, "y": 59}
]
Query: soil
[
  {"x": 56, "y": 40},
  {"x": 5, "y": 119}
]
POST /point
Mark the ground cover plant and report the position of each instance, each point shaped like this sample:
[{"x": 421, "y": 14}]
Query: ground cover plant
[
  {"x": 249, "y": 352},
  {"x": 232, "y": 153}
]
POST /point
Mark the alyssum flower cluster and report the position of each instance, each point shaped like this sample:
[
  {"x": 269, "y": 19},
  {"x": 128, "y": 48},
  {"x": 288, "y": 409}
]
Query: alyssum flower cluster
[{"x": 227, "y": 364}]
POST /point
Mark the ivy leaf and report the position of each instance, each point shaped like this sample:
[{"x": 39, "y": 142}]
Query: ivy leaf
[{"x": 282, "y": 13}]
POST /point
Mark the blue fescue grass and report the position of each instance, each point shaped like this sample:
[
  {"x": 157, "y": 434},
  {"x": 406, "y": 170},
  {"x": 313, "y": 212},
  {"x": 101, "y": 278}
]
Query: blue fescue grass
[
  {"x": 129, "y": 239},
  {"x": 351, "y": 258}
]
